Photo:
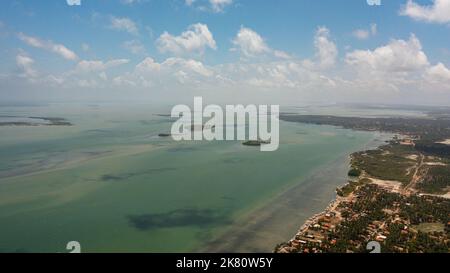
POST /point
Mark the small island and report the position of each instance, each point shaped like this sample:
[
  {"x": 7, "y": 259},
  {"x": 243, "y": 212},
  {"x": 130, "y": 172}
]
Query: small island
[
  {"x": 163, "y": 115},
  {"x": 35, "y": 121},
  {"x": 255, "y": 143}
]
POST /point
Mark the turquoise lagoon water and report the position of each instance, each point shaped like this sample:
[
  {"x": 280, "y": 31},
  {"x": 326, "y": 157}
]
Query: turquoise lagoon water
[{"x": 110, "y": 183}]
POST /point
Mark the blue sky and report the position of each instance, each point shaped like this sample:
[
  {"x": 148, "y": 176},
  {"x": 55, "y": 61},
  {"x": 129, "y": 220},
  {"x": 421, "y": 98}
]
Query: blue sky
[{"x": 296, "y": 47}]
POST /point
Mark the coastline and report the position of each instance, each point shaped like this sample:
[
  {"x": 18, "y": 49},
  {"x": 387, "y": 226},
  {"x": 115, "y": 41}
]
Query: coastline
[
  {"x": 387, "y": 201},
  {"x": 335, "y": 202},
  {"x": 278, "y": 219}
]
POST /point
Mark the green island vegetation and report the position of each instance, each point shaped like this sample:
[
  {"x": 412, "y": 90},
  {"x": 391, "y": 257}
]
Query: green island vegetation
[
  {"x": 255, "y": 142},
  {"x": 48, "y": 121},
  {"x": 163, "y": 115}
]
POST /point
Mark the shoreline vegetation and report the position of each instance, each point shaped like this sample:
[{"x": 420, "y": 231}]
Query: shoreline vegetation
[{"x": 397, "y": 194}]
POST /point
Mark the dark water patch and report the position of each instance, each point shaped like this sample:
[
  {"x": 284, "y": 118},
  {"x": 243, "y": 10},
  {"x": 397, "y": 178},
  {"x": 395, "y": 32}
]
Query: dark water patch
[
  {"x": 146, "y": 122},
  {"x": 160, "y": 144},
  {"x": 228, "y": 198},
  {"x": 154, "y": 122},
  {"x": 97, "y": 153},
  {"x": 159, "y": 170},
  {"x": 164, "y": 135},
  {"x": 110, "y": 177},
  {"x": 182, "y": 149},
  {"x": 15, "y": 251},
  {"x": 233, "y": 160},
  {"x": 177, "y": 218},
  {"x": 116, "y": 121},
  {"x": 125, "y": 176},
  {"x": 99, "y": 131},
  {"x": 279, "y": 219}
]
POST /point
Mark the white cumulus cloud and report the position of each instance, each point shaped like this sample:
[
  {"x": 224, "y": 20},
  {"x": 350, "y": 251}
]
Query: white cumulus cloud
[
  {"x": 326, "y": 50},
  {"x": 195, "y": 39},
  {"x": 95, "y": 66},
  {"x": 25, "y": 65},
  {"x": 149, "y": 73},
  {"x": 130, "y": 2},
  {"x": 124, "y": 24},
  {"x": 250, "y": 43},
  {"x": 438, "y": 73},
  {"x": 364, "y": 34},
  {"x": 437, "y": 12},
  {"x": 59, "y": 49},
  {"x": 215, "y": 6},
  {"x": 134, "y": 46},
  {"x": 397, "y": 56},
  {"x": 219, "y": 5}
]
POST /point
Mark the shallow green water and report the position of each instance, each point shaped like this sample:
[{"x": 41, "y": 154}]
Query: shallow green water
[{"x": 110, "y": 183}]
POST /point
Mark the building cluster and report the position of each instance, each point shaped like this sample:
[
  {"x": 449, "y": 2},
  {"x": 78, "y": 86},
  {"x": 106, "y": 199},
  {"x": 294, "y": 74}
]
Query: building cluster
[{"x": 326, "y": 231}]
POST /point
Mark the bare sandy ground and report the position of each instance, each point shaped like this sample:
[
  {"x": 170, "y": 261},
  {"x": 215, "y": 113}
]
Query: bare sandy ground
[
  {"x": 446, "y": 142},
  {"x": 446, "y": 196},
  {"x": 435, "y": 164},
  {"x": 412, "y": 157},
  {"x": 394, "y": 186}
]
